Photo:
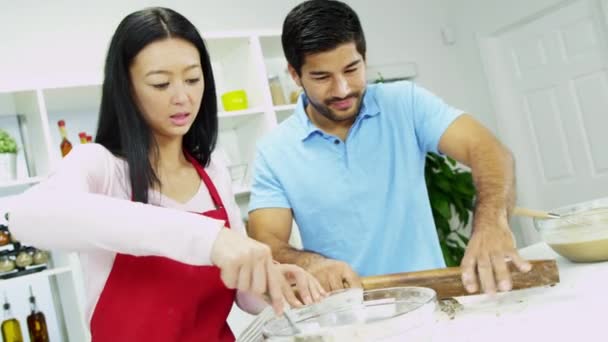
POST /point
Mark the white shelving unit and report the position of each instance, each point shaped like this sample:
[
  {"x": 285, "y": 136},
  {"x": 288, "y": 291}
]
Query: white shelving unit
[{"x": 241, "y": 60}]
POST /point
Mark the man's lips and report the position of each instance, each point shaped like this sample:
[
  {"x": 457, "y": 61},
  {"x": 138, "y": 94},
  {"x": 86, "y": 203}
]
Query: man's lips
[{"x": 343, "y": 104}]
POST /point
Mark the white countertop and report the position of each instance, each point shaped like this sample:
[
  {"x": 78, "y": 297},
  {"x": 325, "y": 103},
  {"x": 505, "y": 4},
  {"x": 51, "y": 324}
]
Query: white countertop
[{"x": 573, "y": 310}]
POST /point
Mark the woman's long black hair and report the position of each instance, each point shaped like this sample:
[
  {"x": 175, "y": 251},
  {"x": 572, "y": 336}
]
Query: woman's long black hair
[{"x": 122, "y": 128}]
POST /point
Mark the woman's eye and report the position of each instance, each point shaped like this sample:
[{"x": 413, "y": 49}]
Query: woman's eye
[
  {"x": 193, "y": 80},
  {"x": 161, "y": 85}
]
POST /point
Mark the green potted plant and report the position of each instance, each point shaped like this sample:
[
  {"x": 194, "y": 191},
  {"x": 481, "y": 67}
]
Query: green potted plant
[
  {"x": 8, "y": 156},
  {"x": 452, "y": 195}
]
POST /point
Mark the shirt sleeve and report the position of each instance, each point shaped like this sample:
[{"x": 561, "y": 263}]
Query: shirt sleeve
[
  {"x": 70, "y": 211},
  {"x": 266, "y": 189},
  {"x": 432, "y": 116}
]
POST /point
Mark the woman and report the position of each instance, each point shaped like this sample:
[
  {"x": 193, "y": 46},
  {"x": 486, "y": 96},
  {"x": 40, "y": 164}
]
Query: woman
[{"x": 154, "y": 270}]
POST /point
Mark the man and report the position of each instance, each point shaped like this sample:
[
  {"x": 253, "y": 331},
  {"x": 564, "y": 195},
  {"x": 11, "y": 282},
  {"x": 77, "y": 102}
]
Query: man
[{"x": 349, "y": 167}]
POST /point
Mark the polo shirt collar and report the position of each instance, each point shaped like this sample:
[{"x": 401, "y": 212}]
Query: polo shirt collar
[{"x": 369, "y": 108}]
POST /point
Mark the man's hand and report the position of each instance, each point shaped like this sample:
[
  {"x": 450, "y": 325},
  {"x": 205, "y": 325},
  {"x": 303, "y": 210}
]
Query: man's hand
[
  {"x": 333, "y": 274},
  {"x": 490, "y": 248}
]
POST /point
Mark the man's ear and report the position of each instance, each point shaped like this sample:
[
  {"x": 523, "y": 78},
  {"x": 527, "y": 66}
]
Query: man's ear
[{"x": 294, "y": 75}]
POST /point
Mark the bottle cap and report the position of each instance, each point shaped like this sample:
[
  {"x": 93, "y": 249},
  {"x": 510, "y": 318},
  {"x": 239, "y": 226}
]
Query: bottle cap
[{"x": 61, "y": 123}]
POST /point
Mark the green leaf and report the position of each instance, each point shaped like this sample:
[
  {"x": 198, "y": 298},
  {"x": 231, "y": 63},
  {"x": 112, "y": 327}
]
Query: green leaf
[
  {"x": 447, "y": 256},
  {"x": 444, "y": 185},
  {"x": 443, "y": 207},
  {"x": 442, "y": 225},
  {"x": 463, "y": 238},
  {"x": 447, "y": 171},
  {"x": 451, "y": 161},
  {"x": 449, "y": 186}
]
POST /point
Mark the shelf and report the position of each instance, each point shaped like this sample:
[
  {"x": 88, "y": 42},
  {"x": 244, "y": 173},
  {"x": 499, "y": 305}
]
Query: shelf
[
  {"x": 272, "y": 47},
  {"x": 20, "y": 182},
  {"x": 234, "y": 119},
  {"x": 283, "y": 108},
  {"x": 241, "y": 190},
  {"x": 73, "y": 99},
  {"x": 244, "y": 112},
  {"x": 41, "y": 274}
]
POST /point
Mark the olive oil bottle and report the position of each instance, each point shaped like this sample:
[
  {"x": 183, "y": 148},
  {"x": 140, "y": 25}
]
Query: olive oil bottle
[
  {"x": 11, "y": 330},
  {"x": 36, "y": 323}
]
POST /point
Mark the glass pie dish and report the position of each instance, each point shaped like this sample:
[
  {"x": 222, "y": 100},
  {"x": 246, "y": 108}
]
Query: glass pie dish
[{"x": 382, "y": 313}]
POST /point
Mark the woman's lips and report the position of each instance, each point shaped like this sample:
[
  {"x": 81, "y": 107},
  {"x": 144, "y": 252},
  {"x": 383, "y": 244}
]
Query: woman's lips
[{"x": 179, "y": 119}]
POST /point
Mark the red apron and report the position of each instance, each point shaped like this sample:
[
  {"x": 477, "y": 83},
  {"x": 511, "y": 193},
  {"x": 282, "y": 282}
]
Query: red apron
[{"x": 158, "y": 299}]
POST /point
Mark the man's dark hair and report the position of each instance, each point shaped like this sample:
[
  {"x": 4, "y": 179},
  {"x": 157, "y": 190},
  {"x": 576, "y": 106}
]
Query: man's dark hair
[{"x": 318, "y": 26}]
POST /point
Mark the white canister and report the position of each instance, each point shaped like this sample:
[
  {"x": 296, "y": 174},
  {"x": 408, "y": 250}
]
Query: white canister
[{"x": 8, "y": 166}]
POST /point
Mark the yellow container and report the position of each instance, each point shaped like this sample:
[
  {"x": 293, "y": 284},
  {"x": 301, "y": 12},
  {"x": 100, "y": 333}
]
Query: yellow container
[{"x": 234, "y": 100}]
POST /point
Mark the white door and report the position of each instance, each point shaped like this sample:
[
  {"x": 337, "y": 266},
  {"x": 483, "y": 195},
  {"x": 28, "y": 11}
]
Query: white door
[{"x": 549, "y": 81}]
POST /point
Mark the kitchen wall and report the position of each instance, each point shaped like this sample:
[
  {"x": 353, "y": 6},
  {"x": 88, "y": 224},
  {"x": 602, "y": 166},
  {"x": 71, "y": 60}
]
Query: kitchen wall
[
  {"x": 66, "y": 40},
  {"x": 473, "y": 20}
]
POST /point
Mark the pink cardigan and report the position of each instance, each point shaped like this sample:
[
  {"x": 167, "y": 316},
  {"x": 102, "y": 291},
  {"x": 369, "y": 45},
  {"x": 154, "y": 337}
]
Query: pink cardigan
[{"x": 85, "y": 206}]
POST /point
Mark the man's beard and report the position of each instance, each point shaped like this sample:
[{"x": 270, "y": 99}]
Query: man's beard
[{"x": 329, "y": 113}]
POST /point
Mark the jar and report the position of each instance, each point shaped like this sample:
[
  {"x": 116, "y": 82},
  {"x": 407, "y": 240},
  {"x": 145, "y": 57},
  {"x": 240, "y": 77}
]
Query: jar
[
  {"x": 276, "y": 91},
  {"x": 5, "y": 237},
  {"x": 6, "y": 264},
  {"x": 24, "y": 259},
  {"x": 40, "y": 257}
]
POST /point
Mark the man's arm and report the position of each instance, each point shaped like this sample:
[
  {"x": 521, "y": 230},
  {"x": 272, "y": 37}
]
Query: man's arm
[
  {"x": 491, "y": 243},
  {"x": 272, "y": 226}
]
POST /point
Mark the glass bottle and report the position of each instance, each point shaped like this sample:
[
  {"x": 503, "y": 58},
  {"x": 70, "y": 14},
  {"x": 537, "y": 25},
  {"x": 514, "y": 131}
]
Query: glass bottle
[
  {"x": 276, "y": 91},
  {"x": 66, "y": 145},
  {"x": 36, "y": 323},
  {"x": 11, "y": 330},
  {"x": 83, "y": 137}
]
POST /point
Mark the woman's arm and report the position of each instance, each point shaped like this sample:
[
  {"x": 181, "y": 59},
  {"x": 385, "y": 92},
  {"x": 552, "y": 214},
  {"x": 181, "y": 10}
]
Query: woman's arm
[{"x": 71, "y": 211}]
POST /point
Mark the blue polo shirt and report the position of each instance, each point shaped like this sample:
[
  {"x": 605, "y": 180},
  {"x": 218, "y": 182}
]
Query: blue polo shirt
[{"x": 363, "y": 201}]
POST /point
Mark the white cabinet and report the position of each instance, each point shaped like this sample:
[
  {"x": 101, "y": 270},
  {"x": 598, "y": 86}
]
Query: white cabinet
[{"x": 241, "y": 60}]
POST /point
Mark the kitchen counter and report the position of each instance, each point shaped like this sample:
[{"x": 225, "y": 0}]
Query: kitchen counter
[{"x": 573, "y": 310}]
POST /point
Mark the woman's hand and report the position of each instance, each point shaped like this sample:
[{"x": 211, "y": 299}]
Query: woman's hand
[
  {"x": 247, "y": 265},
  {"x": 308, "y": 287}
]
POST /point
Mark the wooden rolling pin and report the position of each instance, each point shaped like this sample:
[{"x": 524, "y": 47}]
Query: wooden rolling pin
[{"x": 447, "y": 281}]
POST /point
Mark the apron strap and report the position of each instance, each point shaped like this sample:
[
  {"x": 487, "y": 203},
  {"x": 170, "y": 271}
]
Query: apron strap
[{"x": 215, "y": 196}]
